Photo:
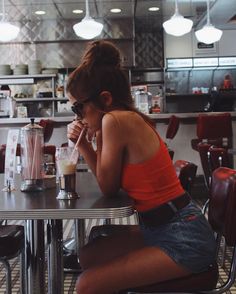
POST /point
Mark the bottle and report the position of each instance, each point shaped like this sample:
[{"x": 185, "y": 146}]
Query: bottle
[
  {"x": 141, "y": 101},
  {"x": 50, "y": 168}
]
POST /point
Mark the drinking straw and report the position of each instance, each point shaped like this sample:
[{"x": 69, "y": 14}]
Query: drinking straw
[
  {"x": 28, "y": 156},
  {"x": 34, "y": 159},
  {"x": 73, "y": 154}
]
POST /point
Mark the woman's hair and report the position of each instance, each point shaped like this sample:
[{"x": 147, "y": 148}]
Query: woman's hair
[{"x": 100, "y": 70}]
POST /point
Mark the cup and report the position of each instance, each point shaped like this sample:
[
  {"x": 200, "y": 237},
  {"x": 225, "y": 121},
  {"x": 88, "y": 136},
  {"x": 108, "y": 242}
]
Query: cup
[{"x": 66, "y": 161}]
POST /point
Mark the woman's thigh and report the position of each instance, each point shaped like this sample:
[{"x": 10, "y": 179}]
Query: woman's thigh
[{"x": 143, "y": 266}]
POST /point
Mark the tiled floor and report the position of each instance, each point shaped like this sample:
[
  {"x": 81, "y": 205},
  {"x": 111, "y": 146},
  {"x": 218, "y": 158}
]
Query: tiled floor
[{"x": 70, "y": 279}]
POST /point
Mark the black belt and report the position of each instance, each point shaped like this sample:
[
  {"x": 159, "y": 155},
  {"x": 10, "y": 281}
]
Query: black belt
[{"x": 163, "y": 213}]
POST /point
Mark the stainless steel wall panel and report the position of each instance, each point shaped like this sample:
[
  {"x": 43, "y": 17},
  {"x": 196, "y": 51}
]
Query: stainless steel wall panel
[
  {"x": 68, "y": 54},
  {"x": 17, "y": 53},
  {"x": 61, "y": 30},
  {"x": 56, "y": 45}
]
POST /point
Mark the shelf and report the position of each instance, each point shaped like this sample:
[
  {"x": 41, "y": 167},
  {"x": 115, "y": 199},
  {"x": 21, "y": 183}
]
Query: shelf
[
  {"x": 40, "y": 76},
  {"x": 23, "y": 79},
  {"x": 40, "y": 99}
]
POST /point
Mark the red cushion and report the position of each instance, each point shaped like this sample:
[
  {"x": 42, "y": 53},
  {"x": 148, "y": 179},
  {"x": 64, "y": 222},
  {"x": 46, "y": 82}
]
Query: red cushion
[
  {"x": 196, "y": 282},
  {"x": 173, "y": 127},
  {"x": 48, "y": 126},
  {"x": 214, "y": 126},
  {"x": 11, "y": 240},
  {"x": 222, "y": 199}
]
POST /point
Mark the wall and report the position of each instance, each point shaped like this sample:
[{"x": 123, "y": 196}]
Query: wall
[{"x": 186, "y": 46}]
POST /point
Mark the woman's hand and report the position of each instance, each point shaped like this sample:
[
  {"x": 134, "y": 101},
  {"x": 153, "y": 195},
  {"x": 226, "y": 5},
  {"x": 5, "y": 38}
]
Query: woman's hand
[{"x": 73, "y": 131}]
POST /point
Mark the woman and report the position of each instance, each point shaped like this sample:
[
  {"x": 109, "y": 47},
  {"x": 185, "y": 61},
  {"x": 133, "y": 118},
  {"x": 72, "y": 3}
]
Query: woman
[{"x": 173, "y": 239}]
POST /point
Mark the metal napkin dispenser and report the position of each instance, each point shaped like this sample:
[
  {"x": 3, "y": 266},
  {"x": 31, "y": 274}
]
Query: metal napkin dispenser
[{"x": 32, "y": 157}]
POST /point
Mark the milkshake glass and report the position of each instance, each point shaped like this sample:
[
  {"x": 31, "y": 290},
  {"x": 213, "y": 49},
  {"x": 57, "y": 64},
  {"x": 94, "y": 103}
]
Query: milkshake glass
[{"x": 66, "y": 161}]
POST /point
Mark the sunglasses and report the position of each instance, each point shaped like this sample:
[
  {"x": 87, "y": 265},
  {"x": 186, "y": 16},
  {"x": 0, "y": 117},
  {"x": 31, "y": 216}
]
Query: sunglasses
[{"x": 77, "y": 107}]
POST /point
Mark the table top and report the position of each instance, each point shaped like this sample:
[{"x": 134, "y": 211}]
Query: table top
[{"x": 44, "y": 205}]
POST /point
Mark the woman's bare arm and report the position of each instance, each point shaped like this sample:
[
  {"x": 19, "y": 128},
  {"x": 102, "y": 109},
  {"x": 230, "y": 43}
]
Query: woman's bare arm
[{"x": 110, "y": 147}]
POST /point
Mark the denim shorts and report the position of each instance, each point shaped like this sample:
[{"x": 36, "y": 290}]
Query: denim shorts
[{"x": 187, "y": 238}]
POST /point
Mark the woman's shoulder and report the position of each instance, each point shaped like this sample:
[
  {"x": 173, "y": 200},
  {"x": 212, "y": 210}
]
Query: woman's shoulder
[
  {"x": 122, "y": 115},
  {"x": 127, "y": 122}
]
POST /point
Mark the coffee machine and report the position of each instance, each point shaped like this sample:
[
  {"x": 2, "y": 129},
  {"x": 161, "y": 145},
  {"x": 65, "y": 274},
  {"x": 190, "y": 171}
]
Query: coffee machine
[{"x": 4, "y": 103}]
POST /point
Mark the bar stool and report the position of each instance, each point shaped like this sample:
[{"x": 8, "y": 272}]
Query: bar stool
[
  {"x": 222, "y": 218},
  {"x": 203, "y": 150},
  {"x": 186, "y": 172},
  {"x": 219, "y": 156},
  {"x": 12, "y": 245},
  {"x": 48, "y": 126},
  {"x": 215, "y": 129},
  {"x": 171, "y": 132}
]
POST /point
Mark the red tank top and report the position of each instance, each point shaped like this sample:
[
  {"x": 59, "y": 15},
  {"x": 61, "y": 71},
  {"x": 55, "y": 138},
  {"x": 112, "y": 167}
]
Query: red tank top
[{"x": 153, "y": 182}]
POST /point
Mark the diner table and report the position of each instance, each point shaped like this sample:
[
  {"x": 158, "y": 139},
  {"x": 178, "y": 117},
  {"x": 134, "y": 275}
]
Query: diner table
[{"x": 37, "y": 207}]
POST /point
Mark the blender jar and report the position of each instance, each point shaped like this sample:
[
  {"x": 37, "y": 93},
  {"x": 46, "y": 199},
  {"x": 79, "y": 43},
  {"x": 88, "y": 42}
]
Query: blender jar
[{"x": 32, "y": 157}]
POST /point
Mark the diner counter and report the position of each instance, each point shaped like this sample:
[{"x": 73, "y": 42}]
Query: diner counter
[{"x": 67, "y": 119}]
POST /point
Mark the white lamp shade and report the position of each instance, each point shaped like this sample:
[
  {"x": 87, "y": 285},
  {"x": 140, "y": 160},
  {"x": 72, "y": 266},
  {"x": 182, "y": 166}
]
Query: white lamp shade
[
  {"x": 177, "y": 25},
  {"x": 208, "y": 34},
  {"x": 8, "y": 31},
  {"x": 88, "y": 28}
]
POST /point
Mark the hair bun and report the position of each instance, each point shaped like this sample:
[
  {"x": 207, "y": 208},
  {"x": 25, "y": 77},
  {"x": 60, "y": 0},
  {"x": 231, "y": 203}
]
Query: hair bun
[{"x": 102, "y": 53}]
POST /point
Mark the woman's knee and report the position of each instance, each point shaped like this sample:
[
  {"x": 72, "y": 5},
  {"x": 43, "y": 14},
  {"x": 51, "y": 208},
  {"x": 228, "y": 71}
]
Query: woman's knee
[
  {"x": 87, "y": 283},
  {"x": 82, "y": 284}
]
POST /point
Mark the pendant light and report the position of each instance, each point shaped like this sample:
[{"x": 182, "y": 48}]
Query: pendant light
[
  {"x": 88, "y": 28},
  {"x": 177, "y": 25},
  {"x": 8, "y": 31},
  {"x": 208, "y": 34}
]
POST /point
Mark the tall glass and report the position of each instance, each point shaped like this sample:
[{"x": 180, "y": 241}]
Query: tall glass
[{"x": 66, "y": 161}]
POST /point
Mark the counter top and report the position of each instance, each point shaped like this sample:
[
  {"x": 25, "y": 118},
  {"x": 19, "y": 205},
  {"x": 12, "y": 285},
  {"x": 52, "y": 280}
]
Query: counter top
[
  {"x": 67, "y": 119},
  {"x": 185, "y": 115}
]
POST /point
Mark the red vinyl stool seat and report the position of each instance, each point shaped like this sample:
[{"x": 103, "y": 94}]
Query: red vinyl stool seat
[
  {"x": 172, "y": 127},
  {"x": 215, "y": 129},
  {"x": 48, "y": 126},
  {"x": 171, "y": 132}
]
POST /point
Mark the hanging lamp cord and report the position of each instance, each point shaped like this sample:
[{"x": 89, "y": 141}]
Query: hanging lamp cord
[
  {"x": 208, "y": 12},
  {"x": 3, "y": 11},
  {"x": 86, "y": 9}
]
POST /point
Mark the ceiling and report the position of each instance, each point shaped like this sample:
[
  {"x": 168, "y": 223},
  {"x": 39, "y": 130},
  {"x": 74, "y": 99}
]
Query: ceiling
[{"x": 220, "y": 13}]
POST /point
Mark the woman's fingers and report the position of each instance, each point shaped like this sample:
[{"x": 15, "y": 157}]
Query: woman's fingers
[{"x": 74, "y": 130}]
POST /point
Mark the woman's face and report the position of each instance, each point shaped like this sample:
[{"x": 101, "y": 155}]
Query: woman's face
[{"x": 89, "y": 114}]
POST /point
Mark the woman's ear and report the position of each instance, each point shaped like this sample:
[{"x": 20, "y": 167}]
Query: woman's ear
[{"x": 106, "y": 98}]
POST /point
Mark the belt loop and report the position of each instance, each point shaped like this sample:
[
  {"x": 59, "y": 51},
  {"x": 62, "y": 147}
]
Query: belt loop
[{"x": 172, "y": 206}]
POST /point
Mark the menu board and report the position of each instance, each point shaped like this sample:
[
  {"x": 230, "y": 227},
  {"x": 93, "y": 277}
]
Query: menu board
[
  {"x": 203, "y": 62},
  {"x": 227, "y": 61},
  {"x": 179, "y": 63}
]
